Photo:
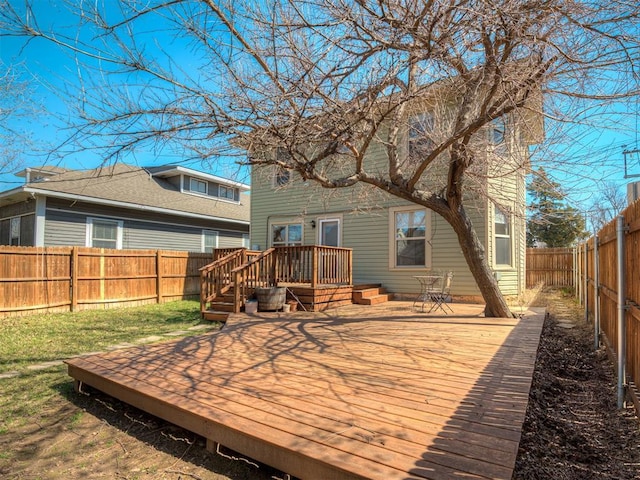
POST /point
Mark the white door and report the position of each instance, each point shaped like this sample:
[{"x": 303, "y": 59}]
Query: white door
[
  {"x": 330, "y": 232},
  {"x": 329, "y": 236}
]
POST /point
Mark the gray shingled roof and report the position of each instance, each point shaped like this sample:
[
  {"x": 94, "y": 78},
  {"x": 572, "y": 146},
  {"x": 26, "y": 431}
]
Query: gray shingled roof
[{"x": 135, "y": 185}]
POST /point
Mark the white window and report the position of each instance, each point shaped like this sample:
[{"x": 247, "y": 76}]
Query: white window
[
  {"x": 497, "y": 131},
  {"x": 286, "y": 234},
  {"x": 409, "y": 246},
  {"x": 329, "y": 232},
  {"x": 246, "y": 240},
  {"x": 226, "y": 192},
  {"x": 281, "y": 177},
  {"x": 502, "y": 234},
  {"x": 209, "y": 240},
  {"x": 14, "y": 231},
  {"x": 421, "y": 135},
  {"x": 104, "y": 233},
  {"x": 198, "y": 186}
]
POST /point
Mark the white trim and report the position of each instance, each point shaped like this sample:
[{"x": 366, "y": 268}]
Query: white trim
[
  {"x": 11, "y": 237},
  {"x": 134, "y": 219},
  {"x": 321, "y": 220},
  {"x": 286, "y": 223},
  {"x": 203, "y": 247},
  {"x": 510, "y": 219},
  {"x": 39, "y": 222},
  {"x": 392, "y": 239},
  {"x": 119, "y": 229},
  {"x": 196, "y": 173},
  {"x": 134, "y": 206},
  {"x": 198, "y": 180}
]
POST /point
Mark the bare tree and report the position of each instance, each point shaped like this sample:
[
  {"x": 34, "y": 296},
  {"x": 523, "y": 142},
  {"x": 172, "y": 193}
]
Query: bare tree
[
  {"x": 609, "y": 202},
  {"x": 325, "y": 80},
  {"x": 16, "y": 108}
]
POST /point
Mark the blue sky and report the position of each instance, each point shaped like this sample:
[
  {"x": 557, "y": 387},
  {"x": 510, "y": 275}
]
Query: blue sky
[{"x": 595, "y": 148}]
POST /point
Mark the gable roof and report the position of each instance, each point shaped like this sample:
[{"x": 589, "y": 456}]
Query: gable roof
[{"x": 127, "y": 186}]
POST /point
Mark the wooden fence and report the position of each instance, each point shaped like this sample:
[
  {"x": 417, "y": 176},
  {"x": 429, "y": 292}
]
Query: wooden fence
[
  {"x": 551, "y": 266},
  {"x": 607, "y": 289},
  {"x": 36, "y": 279}
]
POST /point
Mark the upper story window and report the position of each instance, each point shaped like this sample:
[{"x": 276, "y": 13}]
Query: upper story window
[
  {"x": 502, "y": 233},
  {"x": 281, "y": 177},
  {"x": 421, "y": 134},
  {"x": 226, "y": 192},
  {"x": 104, "y": 233},
  {"x": 497, "y": 132},
  {"x": 198, "y": 186}
]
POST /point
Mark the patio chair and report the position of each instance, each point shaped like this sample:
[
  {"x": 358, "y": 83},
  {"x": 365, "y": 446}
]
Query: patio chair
[{"x": 440, "y": 299}]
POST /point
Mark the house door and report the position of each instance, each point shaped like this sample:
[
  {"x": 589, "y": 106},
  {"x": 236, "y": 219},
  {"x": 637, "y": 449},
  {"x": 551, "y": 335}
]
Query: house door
[
  {"x": 330, "y": 232},
  {"x": 328, "y": 260}
]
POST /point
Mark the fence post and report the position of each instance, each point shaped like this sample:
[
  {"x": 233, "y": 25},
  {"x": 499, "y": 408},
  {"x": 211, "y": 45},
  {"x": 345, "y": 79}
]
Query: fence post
[
  {"x": 622, "y": 307},
  {"x": 596, "y": 292},
  {"x": 585, "y": 284},
  {"x": 159, "y": 276},
  {"x": 74, "y": 279}
]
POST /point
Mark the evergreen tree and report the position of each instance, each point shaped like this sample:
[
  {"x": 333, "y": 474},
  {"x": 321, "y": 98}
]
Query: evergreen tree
[{"x": 553, "y": 222}]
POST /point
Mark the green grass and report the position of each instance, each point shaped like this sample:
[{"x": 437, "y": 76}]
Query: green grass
[
  {"x": 34, "y": 339},
  {"x": 40, "y": 338}
]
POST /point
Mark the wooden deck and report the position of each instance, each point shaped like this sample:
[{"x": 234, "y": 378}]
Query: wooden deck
[{"x": 354, "y": 393}]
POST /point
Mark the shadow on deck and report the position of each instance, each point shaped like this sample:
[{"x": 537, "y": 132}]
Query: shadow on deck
[{"x": 352, "y": 393}]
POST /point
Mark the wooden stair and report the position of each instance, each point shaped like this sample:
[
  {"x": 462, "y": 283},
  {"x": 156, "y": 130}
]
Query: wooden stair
[
  {"x": 372, "y": 294},
  {"x": 219, "y": 308}
]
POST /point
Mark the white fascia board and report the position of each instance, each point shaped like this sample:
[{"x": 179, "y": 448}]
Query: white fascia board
[
  {"x": 134, "y": 206},
  {"x": 196, "y": 173}
]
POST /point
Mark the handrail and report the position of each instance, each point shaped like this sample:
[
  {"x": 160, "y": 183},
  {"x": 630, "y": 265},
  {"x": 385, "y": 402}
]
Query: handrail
[
  {"x": 255, "y": 273},
  {"x": 215, "y": 278},
  {"x": 246, "y": 270}
]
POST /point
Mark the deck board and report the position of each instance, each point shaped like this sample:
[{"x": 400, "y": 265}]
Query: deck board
[{"x": 361, "y": 392}]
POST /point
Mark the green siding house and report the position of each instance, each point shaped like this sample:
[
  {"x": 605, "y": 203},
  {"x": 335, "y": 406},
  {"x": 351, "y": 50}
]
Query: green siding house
[{"x": 394, "y": 240}]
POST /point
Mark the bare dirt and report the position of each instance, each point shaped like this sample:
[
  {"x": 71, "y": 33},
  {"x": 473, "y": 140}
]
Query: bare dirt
[{"x": 573, "y": 429}]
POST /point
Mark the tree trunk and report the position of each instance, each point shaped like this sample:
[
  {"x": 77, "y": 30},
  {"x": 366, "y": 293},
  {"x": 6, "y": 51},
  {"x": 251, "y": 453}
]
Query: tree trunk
[{"x": 475, "y": 255}]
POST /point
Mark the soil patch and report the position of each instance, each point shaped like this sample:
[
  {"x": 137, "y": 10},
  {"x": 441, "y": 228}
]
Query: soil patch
[{"x": 573, "y": 429}]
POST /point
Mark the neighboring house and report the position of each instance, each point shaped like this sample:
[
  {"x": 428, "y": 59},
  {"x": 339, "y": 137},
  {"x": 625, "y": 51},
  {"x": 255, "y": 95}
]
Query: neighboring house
[
  {"x": 125, "y": 207},
  {"x": 394, "y": 240}
]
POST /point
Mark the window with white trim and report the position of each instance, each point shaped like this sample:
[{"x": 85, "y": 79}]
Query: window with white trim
[
  {"x": 409, "y": 247},
  {"x": 502, "y": 234},
  {"x": 421, "y": 135},
  {"x": 226, "y": 192},
  {"x": 497, "y": 131},
  {"x": 281, "y": 177},
  {"x": 246, "y": 240},
  {"x": 198, "y": 186},
  {"x": 209, "y": 241},
  {"x": 14, "y": 230},
  {"x": 104, "y": 233},
  {"x": 286, "y": 234}
]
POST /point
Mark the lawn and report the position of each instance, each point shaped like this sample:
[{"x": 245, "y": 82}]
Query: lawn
[{"x": 35, "y": 339}]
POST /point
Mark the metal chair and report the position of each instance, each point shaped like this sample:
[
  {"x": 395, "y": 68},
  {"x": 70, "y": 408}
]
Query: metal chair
[{"x": 441, "y": 297}]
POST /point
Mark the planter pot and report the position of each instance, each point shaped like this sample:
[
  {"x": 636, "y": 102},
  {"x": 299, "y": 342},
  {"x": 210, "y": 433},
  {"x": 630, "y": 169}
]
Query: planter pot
[
  {"x": 251, "y": 306},
  {"x": 271, "y": 298}
]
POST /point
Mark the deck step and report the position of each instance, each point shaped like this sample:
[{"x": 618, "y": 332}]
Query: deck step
[
  {"x": 370, "y": 295},
  {"x": 215, "y": 315},
  {"x": 221, "y": 306},
  {"x": 376, "y": 299}
]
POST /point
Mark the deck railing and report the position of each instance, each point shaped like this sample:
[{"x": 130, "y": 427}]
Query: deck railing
[
  {"x": 247, "y": 270},
  {"x": 216, "y": 278}
]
